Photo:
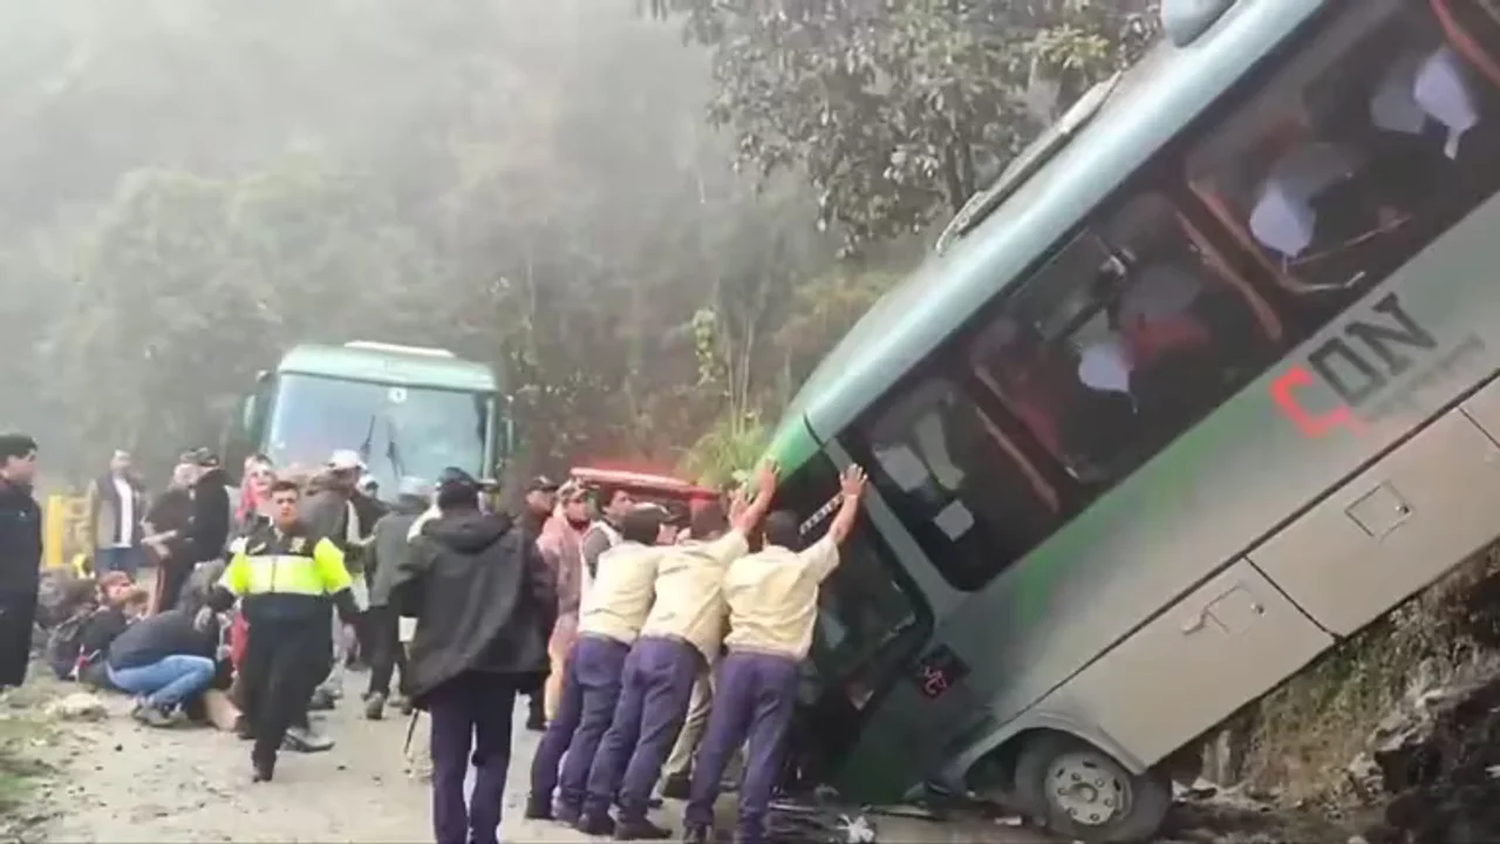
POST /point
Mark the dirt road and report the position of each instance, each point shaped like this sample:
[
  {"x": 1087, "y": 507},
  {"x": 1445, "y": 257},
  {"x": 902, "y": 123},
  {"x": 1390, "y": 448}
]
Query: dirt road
[{"x": 122, "y": 783}]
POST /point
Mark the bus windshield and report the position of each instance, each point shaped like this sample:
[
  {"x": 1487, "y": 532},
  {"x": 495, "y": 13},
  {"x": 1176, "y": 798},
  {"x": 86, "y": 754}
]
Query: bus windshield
[{"x": 398, "y": 430}]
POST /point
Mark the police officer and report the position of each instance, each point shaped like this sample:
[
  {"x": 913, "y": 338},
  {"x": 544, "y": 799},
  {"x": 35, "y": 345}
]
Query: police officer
[{"x": 283, "y": 574}]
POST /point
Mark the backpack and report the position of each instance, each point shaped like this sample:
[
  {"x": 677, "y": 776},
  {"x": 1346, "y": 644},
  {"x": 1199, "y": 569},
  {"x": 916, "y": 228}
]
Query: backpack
[{"x": 65, "y": 644}]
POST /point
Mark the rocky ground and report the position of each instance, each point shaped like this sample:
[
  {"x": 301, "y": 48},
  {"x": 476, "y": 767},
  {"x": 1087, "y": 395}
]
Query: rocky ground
[
  {"x": 75, "y": 767},
  {"x": 112, "y": 780}
]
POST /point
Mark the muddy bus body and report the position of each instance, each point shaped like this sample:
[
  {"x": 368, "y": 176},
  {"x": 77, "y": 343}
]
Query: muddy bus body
[{"x": 1200, "y": 388}]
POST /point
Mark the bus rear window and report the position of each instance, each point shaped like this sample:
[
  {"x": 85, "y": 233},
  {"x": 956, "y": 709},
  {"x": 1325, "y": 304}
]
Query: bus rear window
[{"x": 1372, "y": 140}]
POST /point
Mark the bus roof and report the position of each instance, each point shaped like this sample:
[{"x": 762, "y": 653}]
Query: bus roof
[
  {"x": 1159, "y": 96},
  {"x": 389, "y": 366}
]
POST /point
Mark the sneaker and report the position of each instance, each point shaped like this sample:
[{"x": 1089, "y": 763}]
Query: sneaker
[
  {"x": 677, "y": 787},
  {"x": 590, "y": 824},
  {"x": 375, "y": 706},
  {"x": 697, "y": 835},
  {"x": 151, "y": 716},
  {"x": 304, "y": 740},
  {"x": 641, "y": 830}
]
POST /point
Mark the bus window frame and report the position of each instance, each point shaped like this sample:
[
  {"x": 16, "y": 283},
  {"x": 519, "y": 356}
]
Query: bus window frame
[{"x": 1245, "y": 90}]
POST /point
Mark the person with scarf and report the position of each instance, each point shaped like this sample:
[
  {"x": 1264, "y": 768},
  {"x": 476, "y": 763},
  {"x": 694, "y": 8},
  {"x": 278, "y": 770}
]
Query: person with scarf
[
  {"x": 561, "y": 545},
  {"x": 116, "y": 507}
]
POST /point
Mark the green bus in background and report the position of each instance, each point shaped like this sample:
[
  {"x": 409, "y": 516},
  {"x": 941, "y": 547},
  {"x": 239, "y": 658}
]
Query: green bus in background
[
  {"x": 407, "y": 411},
  {"x": 1201, "y": 386}
]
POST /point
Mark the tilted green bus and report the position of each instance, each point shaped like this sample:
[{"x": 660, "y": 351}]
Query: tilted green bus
[
  {"x": 1201, "y": 386},
  {"x": 408, "y": 411}
]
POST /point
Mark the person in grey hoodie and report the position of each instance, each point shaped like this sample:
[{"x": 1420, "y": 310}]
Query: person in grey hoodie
[{"x": 384, "y": 556}]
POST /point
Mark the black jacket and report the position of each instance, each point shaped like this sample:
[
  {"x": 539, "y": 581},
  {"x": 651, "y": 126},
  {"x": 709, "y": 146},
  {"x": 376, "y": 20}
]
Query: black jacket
[
  {"x": 20, "y": 540},
  {"x": 389, "y": 547},
  {"x": 210, "y": 528},
  {"x": 159, "y": 636},
  {"x": 483, "y": 599}
]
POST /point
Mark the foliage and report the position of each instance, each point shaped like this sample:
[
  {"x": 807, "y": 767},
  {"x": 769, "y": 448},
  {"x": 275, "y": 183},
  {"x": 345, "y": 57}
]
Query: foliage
[{"x": 897, "y": 111}]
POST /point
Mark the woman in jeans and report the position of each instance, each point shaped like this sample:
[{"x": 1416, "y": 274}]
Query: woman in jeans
[{"x": 165, "y": 661}]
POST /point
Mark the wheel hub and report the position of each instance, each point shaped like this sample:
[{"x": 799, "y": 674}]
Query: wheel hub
[{"x": 1085, "y": 787}]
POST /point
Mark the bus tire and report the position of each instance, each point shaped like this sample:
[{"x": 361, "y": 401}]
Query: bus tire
[{"x": 1083, "y": 794}]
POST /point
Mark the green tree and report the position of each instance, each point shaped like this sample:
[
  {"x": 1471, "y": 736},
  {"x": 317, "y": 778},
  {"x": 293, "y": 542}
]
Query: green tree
[{"x": 898, "y": 112}]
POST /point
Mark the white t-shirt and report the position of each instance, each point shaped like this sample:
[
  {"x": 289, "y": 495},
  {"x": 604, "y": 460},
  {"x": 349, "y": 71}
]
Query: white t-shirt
[{"x": 126, "y": 527}]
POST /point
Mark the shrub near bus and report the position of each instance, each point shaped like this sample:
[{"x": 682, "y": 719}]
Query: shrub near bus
[{"x": 1126, "y": 476}]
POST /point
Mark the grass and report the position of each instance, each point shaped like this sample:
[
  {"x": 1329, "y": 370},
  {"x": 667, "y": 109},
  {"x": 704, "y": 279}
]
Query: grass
[{"x": 1306, "y": 733}]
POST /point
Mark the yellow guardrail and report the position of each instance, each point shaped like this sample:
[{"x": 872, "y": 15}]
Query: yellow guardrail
[{"x": 65, "y": 531}]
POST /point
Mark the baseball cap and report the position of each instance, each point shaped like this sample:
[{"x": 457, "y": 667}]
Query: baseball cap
[
  {"x": 345, "y": 460},
  {"x": 542, "y": 483},
  {"x": 453, "y": 478}
]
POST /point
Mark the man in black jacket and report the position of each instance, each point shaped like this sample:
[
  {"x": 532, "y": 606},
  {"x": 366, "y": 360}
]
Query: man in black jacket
[
  {"x": 383, "y": 557},
  {"x": 20, "y": 555},
  {"x": 209, "y": 531},
  {"x": 485, "y": 605}
]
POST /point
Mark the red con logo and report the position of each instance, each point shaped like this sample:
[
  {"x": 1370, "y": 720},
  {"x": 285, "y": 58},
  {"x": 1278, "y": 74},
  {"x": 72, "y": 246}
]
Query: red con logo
[{"x": 1356, "y": 364}]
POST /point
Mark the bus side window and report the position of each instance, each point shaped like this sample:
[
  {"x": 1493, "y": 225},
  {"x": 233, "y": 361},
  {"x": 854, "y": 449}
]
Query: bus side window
[
  {"x": 1359, "y": 151},
  {"x": 1128, "y": 337},
  {"x": 953, "y": 479}
]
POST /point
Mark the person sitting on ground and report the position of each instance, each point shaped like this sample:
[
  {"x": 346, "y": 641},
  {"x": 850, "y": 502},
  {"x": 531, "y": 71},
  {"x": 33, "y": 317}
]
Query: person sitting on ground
[
  {"x": 82, "y": 599},
  {"x": 165, "y": 660},
  {"x": 101, "y": 630}
]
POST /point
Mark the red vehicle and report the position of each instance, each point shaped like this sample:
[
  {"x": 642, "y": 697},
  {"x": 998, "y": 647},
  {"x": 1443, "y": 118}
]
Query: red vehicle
[{"x": 673, "y": 493}]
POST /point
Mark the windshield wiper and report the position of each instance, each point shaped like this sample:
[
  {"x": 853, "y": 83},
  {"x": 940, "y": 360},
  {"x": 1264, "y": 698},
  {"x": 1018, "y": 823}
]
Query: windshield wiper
[
  {"x": 391, "y": 453},
  {"x": 364, "y": 447}
]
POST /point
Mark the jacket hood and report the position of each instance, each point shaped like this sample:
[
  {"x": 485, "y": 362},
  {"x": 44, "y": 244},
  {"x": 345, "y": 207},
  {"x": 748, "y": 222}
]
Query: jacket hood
[{"x": 468, "y": 532}]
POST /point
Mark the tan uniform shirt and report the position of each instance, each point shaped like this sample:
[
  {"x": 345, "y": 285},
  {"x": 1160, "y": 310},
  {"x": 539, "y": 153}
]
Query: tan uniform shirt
[
  {"x": 623, "y": 589},
  {"x": 773, "y": 598},
  {"x": 690, "y": 595}
]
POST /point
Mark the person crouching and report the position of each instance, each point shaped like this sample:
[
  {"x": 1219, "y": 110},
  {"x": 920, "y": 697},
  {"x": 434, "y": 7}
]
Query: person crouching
[
  {"x": 283, "y": 575},
  {"x": 485, "y": 604}
]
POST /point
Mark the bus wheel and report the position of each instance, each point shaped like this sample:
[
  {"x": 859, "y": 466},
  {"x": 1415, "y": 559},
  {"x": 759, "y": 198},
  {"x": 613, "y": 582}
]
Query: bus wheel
[{"x": 1082, "y": 793}]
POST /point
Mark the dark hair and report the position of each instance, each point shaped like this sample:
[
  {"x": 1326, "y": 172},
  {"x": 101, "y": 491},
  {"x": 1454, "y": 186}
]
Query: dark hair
[
  {"x": 456, "y": 495},
  {"x": 606, "y": 494},
  {"x": 16, "y": 445},
  {"x": 643, "y": 524},
  {"x": 783, "y": 528},
  {"x": 709, "y": 521},
  {"x": 285, "y": 485}
]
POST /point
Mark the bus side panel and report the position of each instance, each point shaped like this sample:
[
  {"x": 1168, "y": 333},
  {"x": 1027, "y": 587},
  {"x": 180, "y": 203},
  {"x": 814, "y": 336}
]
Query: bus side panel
[
  {"x": 1223, "y": 644},
  {"x": 1392, "y": 530}
]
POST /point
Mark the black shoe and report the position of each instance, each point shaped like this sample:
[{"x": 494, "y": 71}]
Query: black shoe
[
  {"x": 697, "y": 835},
  {"x": 651, "y": 803},
  {"x": 538, "y": 810},
  {"x": 375, "y": 706},
  {"x": 566, "y": 815},
  {"x": 262, "y": 771},
  {"x": 243, "y": 728},
  {"x": 595, "y": 825},
  {"x": 677, "y": 787},
  {"x": 641, "y": 830}
]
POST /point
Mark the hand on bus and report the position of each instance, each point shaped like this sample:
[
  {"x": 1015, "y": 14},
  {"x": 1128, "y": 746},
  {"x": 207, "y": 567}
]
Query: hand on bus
[
  {"x": 852, "y": 484},
  {"x": 765, "y": 478}
]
